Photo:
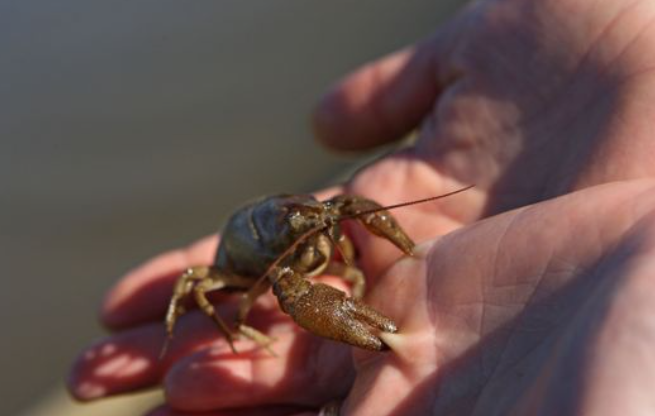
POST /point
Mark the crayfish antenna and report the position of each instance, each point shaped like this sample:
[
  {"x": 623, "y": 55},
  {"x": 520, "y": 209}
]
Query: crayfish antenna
[{"x": 404, "y": 204}]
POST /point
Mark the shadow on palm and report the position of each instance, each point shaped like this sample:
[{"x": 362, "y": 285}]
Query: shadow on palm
[{"x": 495, "y": 316}]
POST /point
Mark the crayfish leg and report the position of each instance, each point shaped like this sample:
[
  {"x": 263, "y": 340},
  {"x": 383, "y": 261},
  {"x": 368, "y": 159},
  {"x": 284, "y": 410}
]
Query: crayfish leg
[
  {"x": 249, "y": 298},
  {"x": 181, "y": 290},
  {"x": 256, "y": 336},
  {"x": 200, "y": 290},
  {"x": 245, "y": 304},
  {"x": 200, "y": 280},
  {"x": 350, "y": 274}
]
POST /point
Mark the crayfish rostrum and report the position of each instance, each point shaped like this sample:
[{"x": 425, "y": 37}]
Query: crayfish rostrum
[{"x": 278, "y": 242}]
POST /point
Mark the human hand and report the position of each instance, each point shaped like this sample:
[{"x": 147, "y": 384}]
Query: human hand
[
  {"x": 525, "y": 99},
  {"x": 500, "y": 122},
  {"x": 542, "y": 309},
  {"x": 546, "y": 309}
]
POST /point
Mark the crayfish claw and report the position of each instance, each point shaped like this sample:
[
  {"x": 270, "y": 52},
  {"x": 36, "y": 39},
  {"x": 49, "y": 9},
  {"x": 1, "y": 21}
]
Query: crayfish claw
[
  {"x": 372, "y": 317},
  {"x": 329, "y": 313}
]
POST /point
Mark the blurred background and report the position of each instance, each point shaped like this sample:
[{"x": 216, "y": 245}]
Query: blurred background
[{"x": 129, "y": 128}]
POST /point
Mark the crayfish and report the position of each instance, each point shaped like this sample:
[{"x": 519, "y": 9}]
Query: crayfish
[{"x": 278, "y": 242}]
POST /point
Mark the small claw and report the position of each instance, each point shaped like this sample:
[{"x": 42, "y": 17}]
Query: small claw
[{"x": 375, "y": 218}]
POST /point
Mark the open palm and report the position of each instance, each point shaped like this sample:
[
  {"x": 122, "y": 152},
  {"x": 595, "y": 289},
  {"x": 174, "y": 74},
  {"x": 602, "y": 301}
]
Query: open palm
[{"x": 527, "y": 99}]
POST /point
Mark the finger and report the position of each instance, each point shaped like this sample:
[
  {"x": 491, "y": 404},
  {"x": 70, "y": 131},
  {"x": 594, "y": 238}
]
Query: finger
[
  {"x": 380, "y": 102},
  {"x": 274, "y": 410},
  {"x": 143, "y": 294},
  {"x": 327, "y": 193},
  {"x": 308, "y": 370},
  {"x": 130, "y": 360}
]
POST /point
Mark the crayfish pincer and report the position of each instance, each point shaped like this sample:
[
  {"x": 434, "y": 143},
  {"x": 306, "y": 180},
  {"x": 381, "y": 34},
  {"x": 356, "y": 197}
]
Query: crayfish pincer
[{"x": 279, "y": 241}]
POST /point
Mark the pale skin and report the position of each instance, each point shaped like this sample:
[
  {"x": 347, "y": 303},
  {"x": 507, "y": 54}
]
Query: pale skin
[{"x": 541, "y": 309}]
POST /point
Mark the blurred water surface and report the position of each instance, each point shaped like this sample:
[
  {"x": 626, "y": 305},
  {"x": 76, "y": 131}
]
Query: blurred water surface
[{"x": 128, "y": 128}]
